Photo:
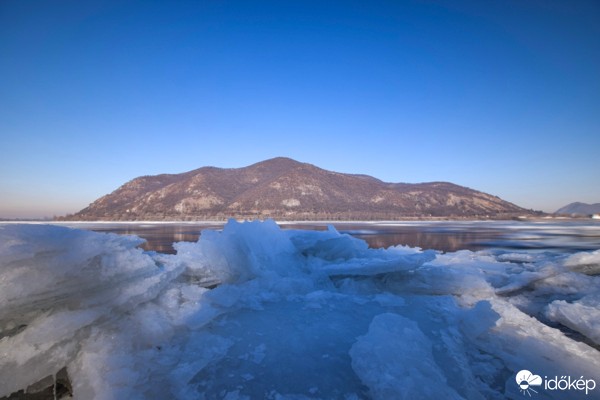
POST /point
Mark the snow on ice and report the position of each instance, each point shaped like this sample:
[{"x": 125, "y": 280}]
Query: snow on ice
[{"x": 255, "y": 312}]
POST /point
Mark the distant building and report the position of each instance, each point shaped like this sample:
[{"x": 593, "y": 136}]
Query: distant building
[{"x": 595, "y": 216}]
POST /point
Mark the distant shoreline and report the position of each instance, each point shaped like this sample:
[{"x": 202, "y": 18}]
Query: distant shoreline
[{"x": 293, "y": 222}]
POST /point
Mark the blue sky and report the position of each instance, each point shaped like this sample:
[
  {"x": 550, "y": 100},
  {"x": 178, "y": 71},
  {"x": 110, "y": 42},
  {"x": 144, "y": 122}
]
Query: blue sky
[{"x": 499, "y": 96}]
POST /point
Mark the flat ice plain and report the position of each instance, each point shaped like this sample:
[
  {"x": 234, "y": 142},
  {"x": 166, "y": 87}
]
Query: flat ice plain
[{"x": 256, "y": 312}]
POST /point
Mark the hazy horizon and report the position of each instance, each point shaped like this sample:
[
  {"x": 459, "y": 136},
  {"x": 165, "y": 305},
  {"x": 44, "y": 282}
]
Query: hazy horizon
[
  {"x": 50, "y": 216},
  {"x": 502, "y": 97}
]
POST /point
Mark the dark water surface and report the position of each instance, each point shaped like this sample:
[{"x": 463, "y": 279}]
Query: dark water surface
[{"x": 569, "y": 236}]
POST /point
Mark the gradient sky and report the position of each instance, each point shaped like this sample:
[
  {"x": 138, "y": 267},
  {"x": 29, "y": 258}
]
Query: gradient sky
[{"x": 499, "y": 96}]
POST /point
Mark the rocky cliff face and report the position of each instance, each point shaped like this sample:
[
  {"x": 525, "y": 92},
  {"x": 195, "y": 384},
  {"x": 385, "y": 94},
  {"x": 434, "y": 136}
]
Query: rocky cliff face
[{"x": 285, "y": 189}]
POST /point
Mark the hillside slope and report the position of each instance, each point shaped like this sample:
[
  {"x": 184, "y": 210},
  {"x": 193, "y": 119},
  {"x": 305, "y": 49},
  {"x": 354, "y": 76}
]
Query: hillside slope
[{"x": 286, "y": 189}]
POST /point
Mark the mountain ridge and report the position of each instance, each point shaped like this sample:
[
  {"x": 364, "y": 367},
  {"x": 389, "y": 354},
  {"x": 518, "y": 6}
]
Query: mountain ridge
[
  {"x": 287, "y": 189},
  {"x": 579, "y": 208}
]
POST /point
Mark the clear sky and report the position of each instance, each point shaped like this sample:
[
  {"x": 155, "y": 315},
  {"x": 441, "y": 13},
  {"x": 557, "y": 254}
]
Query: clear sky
[{"x": 500, "y": 96}]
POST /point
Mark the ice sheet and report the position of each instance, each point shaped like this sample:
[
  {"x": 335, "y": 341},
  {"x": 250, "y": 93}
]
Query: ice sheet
[{"x": 259, "y": 312}]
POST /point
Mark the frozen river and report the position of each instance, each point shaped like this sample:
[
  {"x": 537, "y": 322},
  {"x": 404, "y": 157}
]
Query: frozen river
[
  {"x": 416, "y": 310},
  {"x": 447, "y": 236}
]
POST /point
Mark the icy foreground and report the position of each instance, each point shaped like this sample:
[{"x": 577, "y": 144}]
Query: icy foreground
[{"x": 292, "y": 315}]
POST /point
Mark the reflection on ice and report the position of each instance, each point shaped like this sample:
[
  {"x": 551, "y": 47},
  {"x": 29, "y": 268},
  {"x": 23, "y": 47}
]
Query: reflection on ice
[
  {"x": 447, "y": 236},
  {"x": 292, "y": 314}
]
